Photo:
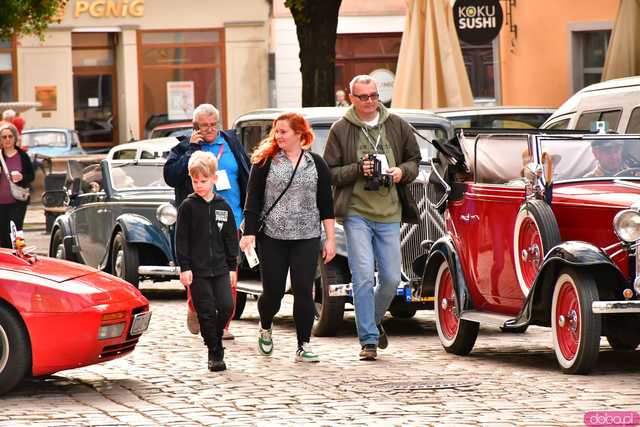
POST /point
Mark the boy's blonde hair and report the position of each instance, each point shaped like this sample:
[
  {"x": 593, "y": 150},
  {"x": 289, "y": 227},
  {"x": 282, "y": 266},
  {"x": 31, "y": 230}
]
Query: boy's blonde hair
[{"x": 202, "y": 163}]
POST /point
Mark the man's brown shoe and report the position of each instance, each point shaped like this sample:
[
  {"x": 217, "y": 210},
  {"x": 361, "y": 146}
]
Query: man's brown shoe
[
  {"x": 368, "y": 352},
  {"x": 226, "y": 335},
  {"x": 192, "y": 322}
]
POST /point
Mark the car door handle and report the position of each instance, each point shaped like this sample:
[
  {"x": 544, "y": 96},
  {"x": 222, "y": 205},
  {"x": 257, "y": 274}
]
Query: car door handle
[
  {"x": 101, "y": 211},
  {"x": 469, "y": 218}
]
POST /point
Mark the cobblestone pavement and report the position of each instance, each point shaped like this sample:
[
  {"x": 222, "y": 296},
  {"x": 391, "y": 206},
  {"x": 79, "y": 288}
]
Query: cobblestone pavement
[{"x": 507, "y": 380}]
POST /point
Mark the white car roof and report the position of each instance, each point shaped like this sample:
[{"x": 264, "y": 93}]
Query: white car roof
[{"x": 158, "y": 148}]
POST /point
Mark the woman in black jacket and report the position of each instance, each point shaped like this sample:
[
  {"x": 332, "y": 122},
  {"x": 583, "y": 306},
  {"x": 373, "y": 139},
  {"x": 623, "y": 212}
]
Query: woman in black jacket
[
  {"x": 288, "y": 198},
  {"x": 21, "y": 172}
]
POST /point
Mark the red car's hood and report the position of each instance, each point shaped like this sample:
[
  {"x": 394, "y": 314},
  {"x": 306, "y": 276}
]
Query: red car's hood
[
  {"x": 48, "y": 268},
  {"x": 603, "y": 194},
  {"x": 93, "y": 287}
]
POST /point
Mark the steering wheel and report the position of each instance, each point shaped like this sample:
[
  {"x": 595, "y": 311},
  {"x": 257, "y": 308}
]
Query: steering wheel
[{"x": 635, "y": 171}]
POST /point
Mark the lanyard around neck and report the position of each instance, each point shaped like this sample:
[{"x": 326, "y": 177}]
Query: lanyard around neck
[{"x": 370, "y": 140}]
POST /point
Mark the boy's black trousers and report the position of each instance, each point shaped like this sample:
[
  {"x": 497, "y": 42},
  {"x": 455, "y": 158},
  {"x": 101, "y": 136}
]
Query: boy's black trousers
[{"x": 214, "y": 305}]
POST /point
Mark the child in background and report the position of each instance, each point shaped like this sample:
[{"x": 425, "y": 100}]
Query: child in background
[{"x": 207, "y": 249}]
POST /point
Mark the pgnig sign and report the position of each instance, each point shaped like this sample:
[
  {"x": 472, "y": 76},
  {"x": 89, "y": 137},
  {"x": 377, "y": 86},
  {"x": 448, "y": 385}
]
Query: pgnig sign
[{"x": 477, "y": 21}]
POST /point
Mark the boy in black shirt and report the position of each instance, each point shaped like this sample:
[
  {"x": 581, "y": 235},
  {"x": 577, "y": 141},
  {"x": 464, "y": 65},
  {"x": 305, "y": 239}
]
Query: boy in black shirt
[{"x": 207, "y": 249}]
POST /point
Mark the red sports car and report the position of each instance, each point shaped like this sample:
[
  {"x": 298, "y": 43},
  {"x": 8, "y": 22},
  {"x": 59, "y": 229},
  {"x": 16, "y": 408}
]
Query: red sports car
[{"x": 57, "y": 315}]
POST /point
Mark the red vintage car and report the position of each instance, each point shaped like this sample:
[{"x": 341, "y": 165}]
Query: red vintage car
[
  {"x": 57, "y": 315},
  {"x": 542, "y": 230}
]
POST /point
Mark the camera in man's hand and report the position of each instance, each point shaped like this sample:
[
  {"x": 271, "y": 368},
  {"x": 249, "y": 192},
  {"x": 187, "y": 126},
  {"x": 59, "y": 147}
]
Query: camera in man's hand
[{"x": 377, "y": 179}]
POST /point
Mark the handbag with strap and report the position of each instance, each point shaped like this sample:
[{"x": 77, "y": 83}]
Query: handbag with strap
[
  {"x": 264, "y": 217},
  {"x": 19, "y": 193}
]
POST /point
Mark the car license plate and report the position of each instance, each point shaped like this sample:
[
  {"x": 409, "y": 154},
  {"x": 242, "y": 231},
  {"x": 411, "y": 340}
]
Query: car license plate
[{"x": 140, "y": 323}]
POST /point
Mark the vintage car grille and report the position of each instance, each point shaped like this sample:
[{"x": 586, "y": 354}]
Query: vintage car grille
[{"x": 431, "y": 226}]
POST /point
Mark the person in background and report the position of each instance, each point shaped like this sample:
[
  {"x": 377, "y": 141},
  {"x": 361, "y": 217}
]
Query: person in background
[
  {"x": 289, "y": 196},
  {"x": 372, "y": 209},
  {"x": 207, "y": 252},
  {"x": 21, "y": 173},
  {"x": 608, "y": 153},
  {"x": 233, "y": 174},
  {"x": 341, "y": 99}
]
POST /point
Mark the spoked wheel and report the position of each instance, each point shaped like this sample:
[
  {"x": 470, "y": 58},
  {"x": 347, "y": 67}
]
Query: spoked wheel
[
  {"x": 457, "y": 336},
  {"x": 124, "y": 260},
  {"x": 536, "y": 232},
  {"x": 15, "y": 353},
  {"x": 576, "y": 329}
]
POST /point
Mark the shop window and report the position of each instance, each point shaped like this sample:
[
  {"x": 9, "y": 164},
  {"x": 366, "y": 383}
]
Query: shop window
[
  {"x": 193, "y": 61},
  {"x": 589, "y": 53},
  {"x": 363, "y": 53},
  {"x": 7, "y": 71}
]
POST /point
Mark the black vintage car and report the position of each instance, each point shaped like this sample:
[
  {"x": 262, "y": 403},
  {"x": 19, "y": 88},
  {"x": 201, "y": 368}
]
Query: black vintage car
[
  {"x": 120, "y": 216},
  {"x": 333, "y": 291}
]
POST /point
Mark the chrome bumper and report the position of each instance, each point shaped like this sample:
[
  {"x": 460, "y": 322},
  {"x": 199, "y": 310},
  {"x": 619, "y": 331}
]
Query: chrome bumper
[
  {"x": 613, "y": 307},
  {"x": 158, "y": 270}
]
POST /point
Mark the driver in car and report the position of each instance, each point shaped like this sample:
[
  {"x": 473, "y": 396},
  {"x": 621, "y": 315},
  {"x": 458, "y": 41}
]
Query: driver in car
[{"x": 608, "y": 154}]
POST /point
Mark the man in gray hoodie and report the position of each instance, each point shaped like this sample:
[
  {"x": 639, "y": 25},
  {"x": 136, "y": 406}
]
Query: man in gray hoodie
[{"x": 371, "y": 199}]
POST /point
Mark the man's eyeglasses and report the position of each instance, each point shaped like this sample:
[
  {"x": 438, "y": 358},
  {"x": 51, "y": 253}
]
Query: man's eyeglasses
[
  {"x": 6, "y": 136},
  {"x": 208, "y": 126},
  {"x": 372, "y": 96}
]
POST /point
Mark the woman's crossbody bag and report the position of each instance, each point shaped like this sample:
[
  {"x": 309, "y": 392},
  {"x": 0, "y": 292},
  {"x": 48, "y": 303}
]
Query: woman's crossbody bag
[{"x": 19, "y": 193}]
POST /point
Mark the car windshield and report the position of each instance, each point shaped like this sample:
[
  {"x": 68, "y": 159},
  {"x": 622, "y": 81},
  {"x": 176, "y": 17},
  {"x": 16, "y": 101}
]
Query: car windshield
[
  {"x": 45, "y": 139},
  {"x": 133, "y": 175},
  {"x": 499, "y": 120},
  {"x": 600, "y": 157}
]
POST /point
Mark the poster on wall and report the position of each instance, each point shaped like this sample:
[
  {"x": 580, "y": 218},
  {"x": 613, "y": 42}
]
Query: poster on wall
[
  {"x": 47, "y": 96},
  {"x": 180, "y": 100}
]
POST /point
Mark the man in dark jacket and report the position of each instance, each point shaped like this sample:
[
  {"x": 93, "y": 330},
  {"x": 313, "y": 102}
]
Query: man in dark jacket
[
  {"x": 372, "y": 201},
  {"x": 232, "y": 175}
]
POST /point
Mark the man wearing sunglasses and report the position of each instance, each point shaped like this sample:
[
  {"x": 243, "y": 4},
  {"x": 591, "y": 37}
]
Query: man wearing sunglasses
[{"x": 372, "y": 155}]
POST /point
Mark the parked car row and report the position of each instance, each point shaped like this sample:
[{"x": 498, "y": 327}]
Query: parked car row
[{"x": 501, "y": 241}]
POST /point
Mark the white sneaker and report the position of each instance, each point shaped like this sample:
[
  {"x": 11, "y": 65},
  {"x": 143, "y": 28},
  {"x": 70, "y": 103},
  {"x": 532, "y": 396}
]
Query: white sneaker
[
  {"x": 265, "y": 342},
  {"x": 305, "y": 354}
]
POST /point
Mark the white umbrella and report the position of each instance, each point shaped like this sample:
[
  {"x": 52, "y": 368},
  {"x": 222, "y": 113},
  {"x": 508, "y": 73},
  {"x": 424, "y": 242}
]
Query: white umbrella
[
  {"x": 431, "y": 71},
  {"x": 623, "y": 54}
]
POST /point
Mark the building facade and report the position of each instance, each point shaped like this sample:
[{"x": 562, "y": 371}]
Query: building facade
[
  {"x": 112, "y": 69},
  {"x": 545, "y": 51}
]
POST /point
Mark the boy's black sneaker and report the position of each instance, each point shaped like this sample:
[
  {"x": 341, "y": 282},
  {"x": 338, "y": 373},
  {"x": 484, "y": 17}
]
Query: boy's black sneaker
[
  {"x": 216, "y": 360},
  {"x": 217, "y": 365},
  {"x": 383, "y": 340},
  {"x": 368, "y": 352}
]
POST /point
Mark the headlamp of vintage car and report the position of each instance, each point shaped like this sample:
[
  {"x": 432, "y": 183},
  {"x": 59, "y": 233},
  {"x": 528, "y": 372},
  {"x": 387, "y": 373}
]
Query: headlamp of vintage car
[
  {"x": 167, "y": 214},
  {"x": 626, "y": 224}
]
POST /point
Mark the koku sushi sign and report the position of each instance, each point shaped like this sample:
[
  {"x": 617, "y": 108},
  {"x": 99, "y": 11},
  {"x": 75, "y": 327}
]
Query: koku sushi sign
[{"x": 477, "y": 21}]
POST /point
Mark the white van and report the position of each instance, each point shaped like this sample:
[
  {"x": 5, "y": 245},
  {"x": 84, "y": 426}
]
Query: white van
[{"x": 616, "y": 102}]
